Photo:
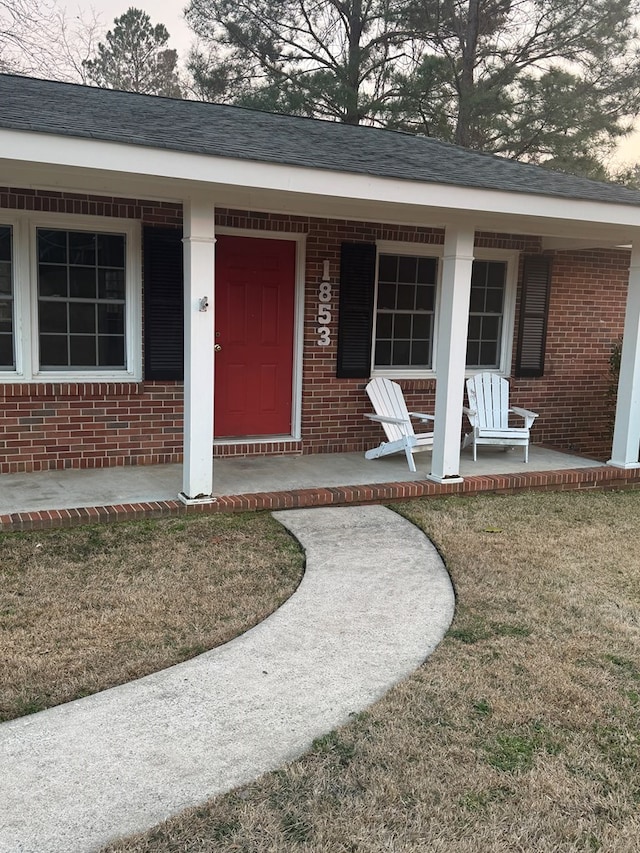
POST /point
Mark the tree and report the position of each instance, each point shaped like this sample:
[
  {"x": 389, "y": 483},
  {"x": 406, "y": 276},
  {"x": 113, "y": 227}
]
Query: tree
[
  {"x": 39, "y": 38},
  {"x": 328, "y": 58},
  {"x": 549, "y": 81},
  {"x": 135, "y": 58}
]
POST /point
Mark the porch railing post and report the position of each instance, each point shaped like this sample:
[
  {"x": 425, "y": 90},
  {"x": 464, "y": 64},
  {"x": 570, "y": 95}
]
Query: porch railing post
[
  {"x": 199, "y": 292},
  {"x": 626, "y": 434},
  {"x": 451, "y": 352}
]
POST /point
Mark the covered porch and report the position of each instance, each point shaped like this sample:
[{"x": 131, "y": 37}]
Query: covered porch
[
  {"x": 75, "y": 496},
  {"x": 343, "y": 199}
]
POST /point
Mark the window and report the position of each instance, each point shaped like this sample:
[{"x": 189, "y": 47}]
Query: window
[
  {"x": 405, "y": 310},
  {"x": 81, "y": 299},
  {"x": 486, "y": 308},
  {"x": 405, "y": 326},
  {"x": 72, "y": 286},
  {"x": 7, "y": 356}
]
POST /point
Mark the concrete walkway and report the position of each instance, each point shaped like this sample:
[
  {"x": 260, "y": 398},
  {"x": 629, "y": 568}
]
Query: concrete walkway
[{"x": 374, "y": 602}]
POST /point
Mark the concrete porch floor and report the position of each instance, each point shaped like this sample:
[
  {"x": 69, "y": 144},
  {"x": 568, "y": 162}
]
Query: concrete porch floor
[{"x": 104, "y": 487}]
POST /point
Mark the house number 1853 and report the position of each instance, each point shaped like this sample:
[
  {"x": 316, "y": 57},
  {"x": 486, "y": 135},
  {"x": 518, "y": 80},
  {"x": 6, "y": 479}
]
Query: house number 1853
[{"x": 324, "y": 310}]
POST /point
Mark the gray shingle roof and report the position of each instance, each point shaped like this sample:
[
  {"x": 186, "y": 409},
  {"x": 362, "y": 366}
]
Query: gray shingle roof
[{"x": 221, "y": 130}]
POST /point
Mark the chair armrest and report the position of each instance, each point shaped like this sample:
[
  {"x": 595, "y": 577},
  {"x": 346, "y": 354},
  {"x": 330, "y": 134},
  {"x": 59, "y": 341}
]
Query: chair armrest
[
  {"x": 384, "y": 419},
  {"x": 422, "y": 417},
  {"x": 471, "y": 414},
  {"x": 529, "y": 417}
]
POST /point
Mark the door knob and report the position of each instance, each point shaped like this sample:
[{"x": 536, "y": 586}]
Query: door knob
[{"x": 217, "y": 347}]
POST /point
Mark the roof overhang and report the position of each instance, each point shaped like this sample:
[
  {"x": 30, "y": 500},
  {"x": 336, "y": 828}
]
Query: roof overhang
[{"x": 47, "y": 161}]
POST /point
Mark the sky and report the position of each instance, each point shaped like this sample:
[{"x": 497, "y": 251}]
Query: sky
[{"x": 170, "y": 13}]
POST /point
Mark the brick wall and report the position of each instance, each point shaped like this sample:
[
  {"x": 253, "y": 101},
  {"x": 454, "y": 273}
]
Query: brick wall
[
  {"x": 89, "y": 425},
  {"x": 586, "y": 317},
  {"x": 96, "y": 425}
]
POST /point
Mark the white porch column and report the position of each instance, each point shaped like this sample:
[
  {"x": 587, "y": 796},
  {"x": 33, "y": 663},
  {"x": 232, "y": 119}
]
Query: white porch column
[
  {"x": 626, "y": 434},
  {"x": 451, "y": 353},
  {"x": 199, "y": 255}
]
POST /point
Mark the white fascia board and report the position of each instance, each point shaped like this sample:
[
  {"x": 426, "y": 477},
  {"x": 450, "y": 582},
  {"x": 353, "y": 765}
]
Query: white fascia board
[{"x": 199, "y": 169}]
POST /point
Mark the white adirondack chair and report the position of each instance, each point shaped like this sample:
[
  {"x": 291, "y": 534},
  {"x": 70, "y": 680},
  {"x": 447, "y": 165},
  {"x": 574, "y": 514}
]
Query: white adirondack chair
[
  {"x": 488, "y": 415},
  {"x": 391, "y": 411}
]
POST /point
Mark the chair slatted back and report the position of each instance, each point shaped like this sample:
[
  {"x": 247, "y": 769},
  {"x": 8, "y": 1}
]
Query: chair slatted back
[
  {"x": 489, "y": 396},
  {"x": 387, "y": 399}
]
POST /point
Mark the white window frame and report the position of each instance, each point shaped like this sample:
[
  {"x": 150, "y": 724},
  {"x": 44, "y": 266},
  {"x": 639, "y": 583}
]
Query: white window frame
[
  {"x": 25, "y": 286},
  {"x": 13, "y": 220},
  {"x": 422, "y": 250}
]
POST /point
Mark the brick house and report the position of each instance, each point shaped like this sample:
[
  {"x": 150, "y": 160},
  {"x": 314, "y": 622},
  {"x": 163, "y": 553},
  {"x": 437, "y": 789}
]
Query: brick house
[{"x": 330, "y": 254}]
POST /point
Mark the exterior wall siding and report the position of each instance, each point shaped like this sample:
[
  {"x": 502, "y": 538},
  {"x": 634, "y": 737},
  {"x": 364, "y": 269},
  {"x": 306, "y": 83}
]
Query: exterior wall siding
[{"x": 87, "y": 425}]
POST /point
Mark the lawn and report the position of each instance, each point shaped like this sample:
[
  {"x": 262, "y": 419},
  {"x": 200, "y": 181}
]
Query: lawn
[
  {"x": 92, "y": 607},
  {"x": 521, "y": 731}
]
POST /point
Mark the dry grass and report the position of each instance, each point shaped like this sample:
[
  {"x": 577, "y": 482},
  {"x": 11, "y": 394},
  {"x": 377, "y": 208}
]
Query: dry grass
[
  {"x": 520, "y": 733},
  {"x": 88, "y": 608}
]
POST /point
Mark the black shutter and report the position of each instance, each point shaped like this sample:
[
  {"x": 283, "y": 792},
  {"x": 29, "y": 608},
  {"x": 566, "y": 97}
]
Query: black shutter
[
  {"x": 355, "y": 321},
  {"x": 534, "y": 310},
  {"x": 163, "y": 304}
]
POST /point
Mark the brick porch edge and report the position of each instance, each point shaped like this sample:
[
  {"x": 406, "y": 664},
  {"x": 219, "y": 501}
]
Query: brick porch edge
[{"x": 507, "y": 484}]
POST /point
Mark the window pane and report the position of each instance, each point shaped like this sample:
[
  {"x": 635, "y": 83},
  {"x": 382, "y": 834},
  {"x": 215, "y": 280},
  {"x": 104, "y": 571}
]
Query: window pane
[
  {"x": 388, "y": 268},
  {"x": 53, "y": 317},
  {"x": 473, "y": 353},
  {"x": 406, "y": 297},
  {"x": 111, "y": 319},
  {"x": 111, "y": 284},
  {"x": 6, "y": 319},
  {"x": 494, "y": 300},
  {"x": 82, "y": 318},
  {"x": 421, "y": 325},
  {"x": 52, "y": 246},
  {"x": 386, "y": 296},
  {"x": 384, "y": 325},
  {"x": 53, "y": 351},
  {"x": 420, "y": 354},
  {"x": 82, "y": 282},
  {"x": 52, "y": 281},
  {"x": 477, "y": 299},
  {"x": 83, "y": 351},
  {"x": 111, "y": 351},
  {"x": 383, "y": 353},
  {"x": 479, "y": 274},
  {"x": 402, "y": 326},
  {"x": 5, "y": 243},
  {"x": 496, "y": 274},
  {"x": 474, "y": 327},
  {"x": 6, "y": 351},
  {"x": 407, "y": 270},
  {"x": 5, "y": 278},
  {"x": 425, "y": 297},
  {"x": 488, "y": 354},
  {"x": 82, "y": 248},
  {"x": 111, "y": 250},
  {"x": 490, "y": 328},
  {"x": 400, "y": 350},
  {"x": 427, "y": 269}
]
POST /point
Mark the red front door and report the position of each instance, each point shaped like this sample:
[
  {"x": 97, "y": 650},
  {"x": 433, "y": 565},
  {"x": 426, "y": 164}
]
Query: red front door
[{"x": 255, "y": 290}]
